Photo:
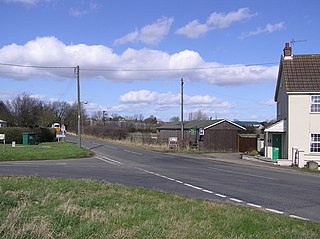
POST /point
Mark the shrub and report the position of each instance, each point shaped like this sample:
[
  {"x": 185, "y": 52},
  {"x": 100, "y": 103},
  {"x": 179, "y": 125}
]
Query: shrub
[
  {"x": 15, "y": 134},
  {"x": 45, "y": 134}
]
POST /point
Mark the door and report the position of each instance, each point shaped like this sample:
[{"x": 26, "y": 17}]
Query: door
[{"x": 276, "y": 146}]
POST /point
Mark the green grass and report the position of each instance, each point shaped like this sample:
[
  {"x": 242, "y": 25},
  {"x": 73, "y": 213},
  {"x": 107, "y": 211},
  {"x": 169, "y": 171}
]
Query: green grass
[
  {"x": 36, "y": 207},
  {"x": 54, "y": 150}
]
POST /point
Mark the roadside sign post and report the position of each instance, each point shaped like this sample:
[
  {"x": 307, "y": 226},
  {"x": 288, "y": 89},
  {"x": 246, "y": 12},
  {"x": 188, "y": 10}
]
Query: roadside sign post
[{"x": 3, "y": 138}]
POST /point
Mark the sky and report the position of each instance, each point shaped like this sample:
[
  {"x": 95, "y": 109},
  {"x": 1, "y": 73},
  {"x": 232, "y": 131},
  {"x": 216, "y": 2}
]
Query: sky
[{"x": 132, "y": 55}]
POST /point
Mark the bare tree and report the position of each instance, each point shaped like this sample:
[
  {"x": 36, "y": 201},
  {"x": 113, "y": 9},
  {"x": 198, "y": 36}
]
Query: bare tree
[
  {"x": 198, "y": 115},
  {"x": 27, "y": 110},
  {"x": 174, "y": 119},
  {"x": 59, "y": 109}
]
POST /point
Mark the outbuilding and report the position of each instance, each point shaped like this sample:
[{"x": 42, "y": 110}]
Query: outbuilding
[{"x": 206, "y": 135}]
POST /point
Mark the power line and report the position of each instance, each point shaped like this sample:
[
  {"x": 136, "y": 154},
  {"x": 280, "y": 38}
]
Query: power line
[
  {"x": 39, "y": 67},
  {"x": 139, "y": 70},
  {"x": 178, "y": 69}
]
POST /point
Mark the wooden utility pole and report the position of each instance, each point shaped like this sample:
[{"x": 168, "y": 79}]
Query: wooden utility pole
[
  {"x": 77, "y": 71},
  {"x": 182, "y": 128}
]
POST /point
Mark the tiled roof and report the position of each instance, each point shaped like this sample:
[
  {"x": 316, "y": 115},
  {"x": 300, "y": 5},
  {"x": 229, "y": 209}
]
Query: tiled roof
[{"x": 302, "y": 73}]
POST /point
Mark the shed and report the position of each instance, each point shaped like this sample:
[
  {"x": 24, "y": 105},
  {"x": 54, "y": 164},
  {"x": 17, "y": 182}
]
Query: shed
[{"x": 218, "y": 135}]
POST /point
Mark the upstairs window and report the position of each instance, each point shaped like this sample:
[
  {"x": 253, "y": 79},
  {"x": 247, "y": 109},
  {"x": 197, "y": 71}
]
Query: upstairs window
[
  {"x": 315, "y": 103},
  {"x": 315, "y": 143}
]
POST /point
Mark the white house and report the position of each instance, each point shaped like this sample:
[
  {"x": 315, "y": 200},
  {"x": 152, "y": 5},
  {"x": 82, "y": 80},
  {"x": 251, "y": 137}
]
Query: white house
[{"x": 296, "y": 134}]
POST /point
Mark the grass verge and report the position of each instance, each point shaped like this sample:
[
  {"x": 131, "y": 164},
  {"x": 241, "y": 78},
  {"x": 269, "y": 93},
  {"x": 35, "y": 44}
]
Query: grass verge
[
  {"x": 54, "y": 150},
  {"x": 36, "y": 207}
]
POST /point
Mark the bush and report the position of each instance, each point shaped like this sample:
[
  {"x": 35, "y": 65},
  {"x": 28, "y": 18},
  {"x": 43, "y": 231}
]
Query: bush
[
  {"x": 15, "y": 134},
  {"x": 45, "y": 134},
  {"x": 111, "y": 132}
]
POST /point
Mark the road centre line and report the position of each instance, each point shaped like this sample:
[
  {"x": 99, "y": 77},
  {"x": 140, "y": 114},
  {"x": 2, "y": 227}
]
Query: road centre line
[
  {"x": 132, "y": 152},
  {"x": 246, "y": 174}
]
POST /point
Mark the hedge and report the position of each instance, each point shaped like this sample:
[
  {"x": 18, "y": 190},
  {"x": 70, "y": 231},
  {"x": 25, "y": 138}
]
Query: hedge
[{"x": 15, "y": 134}]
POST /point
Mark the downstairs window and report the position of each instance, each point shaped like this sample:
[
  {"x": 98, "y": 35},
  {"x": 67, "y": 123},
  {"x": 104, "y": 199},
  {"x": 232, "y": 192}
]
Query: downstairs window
[{"x": 315, "y": 143}]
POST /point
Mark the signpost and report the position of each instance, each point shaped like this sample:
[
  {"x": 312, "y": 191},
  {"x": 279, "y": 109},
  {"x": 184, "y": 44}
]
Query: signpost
[{"x": 3, "y": 138}]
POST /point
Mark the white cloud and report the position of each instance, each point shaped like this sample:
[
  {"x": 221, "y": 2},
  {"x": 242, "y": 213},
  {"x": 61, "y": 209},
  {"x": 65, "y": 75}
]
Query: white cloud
[
  {"x": 131, "y": 65},
  {"x": 195, "y": 29},
  {"x": 269, "y": 28},
  {"x": 165, "y": 100},
  {"x": 30, "y": 2},
  {"x": 83, "y": 10},
  {"x": 269, "y": 102},
  {"x": 150, "y": 34}
]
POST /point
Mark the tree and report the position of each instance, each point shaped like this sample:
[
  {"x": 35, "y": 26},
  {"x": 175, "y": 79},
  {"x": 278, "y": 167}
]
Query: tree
[
  {"x": 27, "y": 110},
  {"x": 151, "y": 120},
  {"x": 174, "y": 119},
  {"x": 198, "y": 115},
  {"x": 59, "y": 109}
]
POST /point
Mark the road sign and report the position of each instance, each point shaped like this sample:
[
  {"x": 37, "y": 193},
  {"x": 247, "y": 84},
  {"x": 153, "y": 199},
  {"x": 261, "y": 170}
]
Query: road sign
[
  {"x": 192, "y": 131},
  {"x": 2, "y": 136},
  {"x": 201, "y": 131}
]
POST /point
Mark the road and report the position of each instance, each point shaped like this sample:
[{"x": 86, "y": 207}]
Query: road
[{"x": 283, "y": 191}]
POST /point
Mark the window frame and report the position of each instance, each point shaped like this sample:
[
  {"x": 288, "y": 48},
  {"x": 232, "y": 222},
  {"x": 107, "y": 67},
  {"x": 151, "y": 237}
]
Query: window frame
[
  {"x": 314, "y": 143},
  {"x": 315, "y": 104}
]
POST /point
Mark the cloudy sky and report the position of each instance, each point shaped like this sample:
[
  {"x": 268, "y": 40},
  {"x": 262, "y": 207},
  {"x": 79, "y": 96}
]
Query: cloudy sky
[{"x": 133, "y": 54}]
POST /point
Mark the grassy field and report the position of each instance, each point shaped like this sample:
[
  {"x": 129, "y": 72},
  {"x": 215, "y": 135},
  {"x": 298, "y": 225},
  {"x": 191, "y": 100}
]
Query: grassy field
[
  {"x": 35, "y": 207},
  {"x": 54, "y": 150}
]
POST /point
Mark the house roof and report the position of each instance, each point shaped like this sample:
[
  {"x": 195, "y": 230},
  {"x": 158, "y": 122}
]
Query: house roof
[
  {"x": 196, "y": 124},
  {"x": 301, "y": 73}
]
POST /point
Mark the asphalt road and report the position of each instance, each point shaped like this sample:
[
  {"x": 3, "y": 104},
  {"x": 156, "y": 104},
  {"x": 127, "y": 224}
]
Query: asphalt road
[{"x": 283, "y": 191}]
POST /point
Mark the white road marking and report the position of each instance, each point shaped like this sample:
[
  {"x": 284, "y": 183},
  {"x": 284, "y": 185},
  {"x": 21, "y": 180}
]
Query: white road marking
[
  {"x": 132, "y": 152},
  {"x": 192, "y": 186},
  {"x": 236, "y": 200},
  {"x": 108, "y": 160},
  {"x": 274, "y": 211},
  {"x": 207, "y": 191},
  {"x": 110, "y": 147},
  {"x": 254, "y": 205},
  {"x": 297, "y": 217},
  {"x": 220, "y": 195},
  {"x": 246, "y": 174}
]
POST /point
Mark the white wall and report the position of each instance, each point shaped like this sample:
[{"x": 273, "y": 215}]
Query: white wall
[{"x": 301, "y": 123}]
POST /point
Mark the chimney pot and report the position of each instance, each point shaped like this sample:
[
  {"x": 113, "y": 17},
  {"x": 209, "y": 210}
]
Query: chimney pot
[{"x": 287, "y": 51}]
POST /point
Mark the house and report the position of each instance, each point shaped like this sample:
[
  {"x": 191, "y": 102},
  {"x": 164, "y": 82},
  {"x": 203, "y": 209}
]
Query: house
[
  {"x": 295, "y": 135},
  {"x": 5, "y": 115},
  {"x": 211, "y": 135}
]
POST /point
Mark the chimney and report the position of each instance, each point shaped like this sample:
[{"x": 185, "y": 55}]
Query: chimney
[{"x": 287, "y": 52}]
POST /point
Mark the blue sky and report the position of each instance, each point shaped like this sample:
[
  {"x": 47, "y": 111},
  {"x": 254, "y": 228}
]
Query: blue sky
[{"x": 132, "y": 54}]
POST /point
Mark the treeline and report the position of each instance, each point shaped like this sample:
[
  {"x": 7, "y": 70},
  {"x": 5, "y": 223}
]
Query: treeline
[{"x": 27, "y": 111}]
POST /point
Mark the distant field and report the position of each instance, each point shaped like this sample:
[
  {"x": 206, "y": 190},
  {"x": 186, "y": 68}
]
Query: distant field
[
  {"x": 54, "y": 150},
  {"x": 36, "y": 207}
]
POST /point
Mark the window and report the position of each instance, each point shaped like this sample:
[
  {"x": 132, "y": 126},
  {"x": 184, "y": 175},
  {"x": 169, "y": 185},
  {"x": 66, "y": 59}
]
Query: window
[
  {"x": 315, "y": 143},
  {"x": 315, "y": 103}
]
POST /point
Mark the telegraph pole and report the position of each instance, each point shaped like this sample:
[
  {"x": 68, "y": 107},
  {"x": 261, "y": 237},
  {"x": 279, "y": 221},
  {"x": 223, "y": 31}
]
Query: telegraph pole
[
  {"x": 77, "y": 71},
  {"x": 182, "y": 129}
]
